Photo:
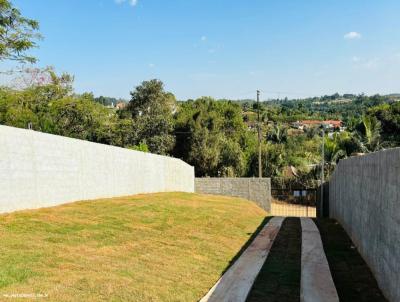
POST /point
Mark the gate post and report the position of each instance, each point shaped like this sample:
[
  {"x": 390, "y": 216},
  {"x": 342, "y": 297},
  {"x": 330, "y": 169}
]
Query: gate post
[{"x": 323, "y": 213}]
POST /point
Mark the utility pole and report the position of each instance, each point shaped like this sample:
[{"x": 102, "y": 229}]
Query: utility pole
[
  {"x": 322, "y": 171},
  {"x": 259, "y": 135}
]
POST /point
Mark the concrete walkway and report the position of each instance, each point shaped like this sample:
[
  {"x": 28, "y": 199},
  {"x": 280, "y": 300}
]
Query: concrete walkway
[
  {"x": 235, "y": 284},
  {"x": 316, "y": 279},
  {"x": 316, "y": 283}
]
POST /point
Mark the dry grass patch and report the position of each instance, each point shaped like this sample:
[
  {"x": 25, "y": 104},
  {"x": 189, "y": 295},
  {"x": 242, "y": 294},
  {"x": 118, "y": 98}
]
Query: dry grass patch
[{"x": 158, "y": 247}]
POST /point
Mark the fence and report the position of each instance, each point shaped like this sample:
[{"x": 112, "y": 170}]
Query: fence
[
  {"x": 294, "y": 203},
  {"x": 364, "y": 196},
  {"x": 254, "y": 189},
  {"x": 40, "y": 170}
]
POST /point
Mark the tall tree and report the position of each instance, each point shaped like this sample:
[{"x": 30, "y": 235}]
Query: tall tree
[
  {"x": 152, "y": 111},
  {"x": 32, "y": 105},
  {"x": 334, "y": 149},
  {"x": 389, "y": 116},
  {"x": 17, "y": 34},
  {"x": 211, "y": 136}
]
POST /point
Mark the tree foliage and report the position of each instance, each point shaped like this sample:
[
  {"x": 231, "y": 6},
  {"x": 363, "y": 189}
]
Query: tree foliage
[
  {"x": 219, "y": 137},
  {"x": 211, "y": 135},
  {"x": 152, "y": 109},
  {"x": 369, "y": 134},
  {"x": 17, "y": 34}
]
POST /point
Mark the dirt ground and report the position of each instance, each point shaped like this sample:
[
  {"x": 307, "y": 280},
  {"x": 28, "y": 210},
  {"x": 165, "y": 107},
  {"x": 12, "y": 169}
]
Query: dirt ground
[{"x": 292, "y": 210}]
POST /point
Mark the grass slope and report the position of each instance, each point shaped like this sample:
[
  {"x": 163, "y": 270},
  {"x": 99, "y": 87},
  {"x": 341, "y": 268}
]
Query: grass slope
[{"x": 158, "y": 247}]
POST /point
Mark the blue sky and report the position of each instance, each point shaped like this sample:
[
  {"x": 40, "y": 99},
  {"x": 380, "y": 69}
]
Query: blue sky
[{"x": 222, "y": 48}]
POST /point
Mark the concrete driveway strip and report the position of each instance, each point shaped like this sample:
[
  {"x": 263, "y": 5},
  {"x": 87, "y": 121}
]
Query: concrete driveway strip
[
  {"x": 235, "y": 284},
  {"x": 316, "y": 279}
]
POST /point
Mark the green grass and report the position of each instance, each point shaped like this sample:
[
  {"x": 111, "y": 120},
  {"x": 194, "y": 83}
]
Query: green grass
[
  {"x": 279, "y": 278},
  {"x": 158, "y": 247},
  {"x": 352, "y": 276}
]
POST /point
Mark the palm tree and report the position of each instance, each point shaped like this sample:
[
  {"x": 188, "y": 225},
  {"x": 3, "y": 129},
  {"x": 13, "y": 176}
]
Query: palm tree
[
  {"x": 278, "y": 134},
  {"x": 369, "y": 138},
  {"x": 334, "y": 149}
]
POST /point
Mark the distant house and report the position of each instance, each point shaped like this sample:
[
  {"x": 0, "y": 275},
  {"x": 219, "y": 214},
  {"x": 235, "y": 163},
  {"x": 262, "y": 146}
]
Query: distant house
[
  {"x": 329, "y": 124},
  {"x": 298, "y": 125},
  {"x": 111, "y": 106},
  {"x": 333, "y": 124},
  {"x": 121, "y": 105}
]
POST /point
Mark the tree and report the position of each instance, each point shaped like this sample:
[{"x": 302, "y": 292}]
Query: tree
[
  {"x": 122, "y": 134},
  {"x": 389, "y": 117},
  {"x": 211, "y": 135},
  {"x": 152, "y": 111},
  {"x": 232, "y": 161},
  {"x": 141, "y": 147},
  {"x": 205, "y": 152},
  {"x": 278, "y": 134},
  {"x": 17, "y": 34},
  {"x": 334, "y": 149},
  {"x": 82, "y": 118},
  {"x": 369, "y": 134},
  {"x": 32, "y": 105}
]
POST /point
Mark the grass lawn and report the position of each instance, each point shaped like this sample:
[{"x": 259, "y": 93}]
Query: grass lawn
[
  {"x": 158, "y": 247},
  {"x": 352, "y": 276}
]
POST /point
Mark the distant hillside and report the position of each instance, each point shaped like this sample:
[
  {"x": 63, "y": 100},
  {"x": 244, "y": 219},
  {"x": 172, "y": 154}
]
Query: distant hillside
[{"x": 394, "y": 96}]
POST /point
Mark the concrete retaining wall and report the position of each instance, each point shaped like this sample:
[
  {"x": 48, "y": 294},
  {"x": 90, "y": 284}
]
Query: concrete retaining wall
[
  {"x": 41, "y": 170},
  {"x": 364, "y": 196},
  {"x": 254, "y": 189}
]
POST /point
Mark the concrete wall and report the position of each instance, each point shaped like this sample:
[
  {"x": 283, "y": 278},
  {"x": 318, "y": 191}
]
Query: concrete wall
[
  {"x": 40, "y": 170},
  {"x": 364, "y": 196},
  {"x": 254, "y": 189}
]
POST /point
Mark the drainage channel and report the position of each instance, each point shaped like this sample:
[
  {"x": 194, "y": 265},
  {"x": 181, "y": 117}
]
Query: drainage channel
[
  {"x": 353, "y": 278},
  {"x": 279, "y": 278}
]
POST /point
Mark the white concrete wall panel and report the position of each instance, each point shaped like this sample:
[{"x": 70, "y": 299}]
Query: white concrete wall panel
[
  {"x": 40, "y": 170},
  {"x": 364, "y": 196}
]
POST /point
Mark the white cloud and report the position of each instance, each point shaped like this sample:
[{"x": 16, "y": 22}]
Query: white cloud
[
  {"x": 131, "y": 2},
  {"x": 356, "y": 59},
  {"x": 203, "y": 38},
  {"x": 151, "y": 65},
  {"x": 353, "y": 35}
]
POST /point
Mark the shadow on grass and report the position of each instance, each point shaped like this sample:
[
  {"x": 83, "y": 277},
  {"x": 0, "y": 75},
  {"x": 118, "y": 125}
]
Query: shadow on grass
[
  {"x": 240, "y": 252},
  {"x": 248, "y": 242}
]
